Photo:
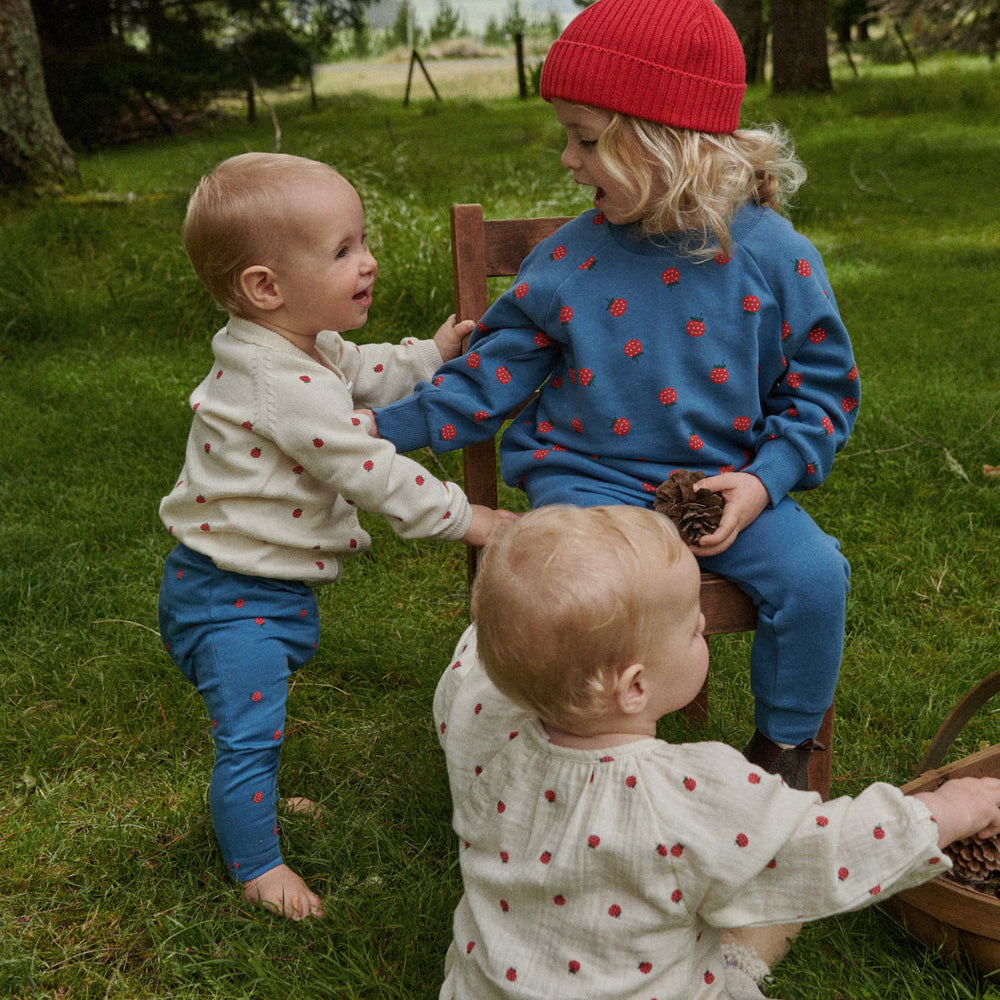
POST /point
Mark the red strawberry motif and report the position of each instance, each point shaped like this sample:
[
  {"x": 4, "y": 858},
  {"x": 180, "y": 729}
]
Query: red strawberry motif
[
  {"x": 559, "y": 252},
  {"x": 419, "y": 480},
  {"x": 472, "y": 360},
  {"x": 448, "y": 432},
  {"x": 545, "y": 857},
  {"x": 246, "y": 423},
  {"x": 255, "y": 452},
  {"x": 587, "y": 264},
  {"x": 369, "y": 465},
  {"x": 676, "y": 896},
  {"x": 751, "y": 304},
  {"x": 539, "y": 453},
  {"x": 304, "y": 378},
  {"x": 208, "y": 447},
  {"x": 511, "y": 975},
  {"x": 257, "y": 696},
  {"x": 786, "y": 330},
  {"x": 600, "y": 219},
  {"x": 617, "y": 307},
  {"x": 204, "y": 526},
  {"x": 297, "y": 470},
  {"x": 645, "y": 968},
  {"x": 469, "y": 947},
  {"x": 827, "y": 425},
  {"x": 817, "y": 335},
  {"x": 677, "y": 850},
  {"x": 878, "y": 833},
  {"x": 504, "y": 906},
  {"x": 614, "y": 910},
  {"x": 689, "y": 784},
  {"x": 842, "y": 874},
  {"x": 695, "y": 327},
  {"x": 633, "y": 348},
  {"x": 545, "y": 427},
  {"x": 297, "y": 512},
  {"x": 621, "y": 427},
  {"x": 238, "y": 603},
  {"x": 754, "y": 778},
  {"x": 722, "y": 258},
  {"x": 695, "y": 443},
  {"x": 670, "y": 276},
  {"x": 852, "y": 375},
  {"x": 630, "y": 781},
  {"x": 480, "y": 415},
  {"x": 709, "y": 978},
  {"x": 542, "y": 339},
  {"x": 521, "y": 290},
  {"x": 584, "y": 376},
  {"x": 258, "y": 797},
  {"x": 593, "y": 841},
  {"x": 848, "y": 404},
  {"x": 741, "y": 424},
  {"x": 742, "y": 840},
  {"x": 317, "y": 442},
  {"x": 378, "y": 369},
  {"x": 802, "y": 268},
  {"x": 662, "y": 850},
  {"x": 504, "y": 857},
  {"x": 822, "y": 821},
  {"x": 719, "y": 374},
  {"x": 574, "y": 966},
  {"x": 559, "y": 900},
  {"x": 576, "y": 425},
  {"x": 668, "y": 396},
  {"x": 874, "y": 890},
  {"x": 437, "y": 381},
  {"x": 550, "y": 795},
  {"x": 200, "y": 499},
  {"x": 501, "y": 807},
  {"x": 503, "y": 376},
  {"x": 793, "y": 380}
]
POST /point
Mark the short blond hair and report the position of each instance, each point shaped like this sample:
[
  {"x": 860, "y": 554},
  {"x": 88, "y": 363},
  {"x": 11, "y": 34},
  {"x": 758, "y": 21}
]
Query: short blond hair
[
  {"x": 705, "y": 178},
  {"x": 238, "y": 216},
  {"x": 564, "y": 601}
]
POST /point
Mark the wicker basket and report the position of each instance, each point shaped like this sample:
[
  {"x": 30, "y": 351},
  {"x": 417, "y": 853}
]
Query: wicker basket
[{"x": 963, "y": 923}]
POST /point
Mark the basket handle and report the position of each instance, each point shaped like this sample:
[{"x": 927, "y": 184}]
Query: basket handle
[{"x": 956, "y": 720}]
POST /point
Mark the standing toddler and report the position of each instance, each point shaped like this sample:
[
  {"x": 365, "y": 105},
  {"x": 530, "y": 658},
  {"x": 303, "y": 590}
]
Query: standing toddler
[{"x": 277, "y": 465}]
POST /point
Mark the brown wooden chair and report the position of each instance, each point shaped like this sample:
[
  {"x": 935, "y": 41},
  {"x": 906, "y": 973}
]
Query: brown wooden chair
[{"x": 483, "y": 249}]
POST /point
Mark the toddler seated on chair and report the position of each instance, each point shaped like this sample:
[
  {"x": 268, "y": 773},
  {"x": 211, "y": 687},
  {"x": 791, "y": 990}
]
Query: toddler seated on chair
[{"x": 599, "y": 861}]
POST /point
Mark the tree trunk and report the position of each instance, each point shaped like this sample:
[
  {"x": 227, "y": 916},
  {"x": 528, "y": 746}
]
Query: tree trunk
[
  {"x": 798, "y": 46},
  {"x": 747, "y": 17},
  {"x": 32, "y": 149}
]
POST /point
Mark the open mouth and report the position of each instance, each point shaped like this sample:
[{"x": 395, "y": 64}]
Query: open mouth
[{"x": 363, "y": 299}]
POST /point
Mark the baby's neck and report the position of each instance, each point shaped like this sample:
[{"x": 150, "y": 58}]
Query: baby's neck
[{"x": 593, "y": 741}]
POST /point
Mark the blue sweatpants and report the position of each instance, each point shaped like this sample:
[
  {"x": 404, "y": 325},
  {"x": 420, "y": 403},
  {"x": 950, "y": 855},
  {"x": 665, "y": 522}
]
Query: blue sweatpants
[
  {"x": 237, "y": 639},
  {"x": 798, "y": 579}
]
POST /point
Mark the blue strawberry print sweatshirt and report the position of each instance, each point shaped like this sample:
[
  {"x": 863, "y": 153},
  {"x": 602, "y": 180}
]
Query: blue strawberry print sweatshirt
[{"x": 648, "y": 359}]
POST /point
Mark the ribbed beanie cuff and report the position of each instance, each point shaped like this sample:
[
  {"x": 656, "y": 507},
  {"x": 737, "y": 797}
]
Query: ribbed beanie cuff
[{"x": 678, "y": 62}]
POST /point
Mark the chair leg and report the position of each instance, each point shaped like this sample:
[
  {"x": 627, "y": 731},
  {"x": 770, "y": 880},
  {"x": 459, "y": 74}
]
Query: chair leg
[{"x": 821, "y": 762}]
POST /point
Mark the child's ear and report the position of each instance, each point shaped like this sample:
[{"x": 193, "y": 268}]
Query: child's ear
[
  {"x": 630, "y": 691},
  {"x": 259, "y": 285}
]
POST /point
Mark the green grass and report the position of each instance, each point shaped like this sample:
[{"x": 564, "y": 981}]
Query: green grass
[{"x": 110, "y": 884}]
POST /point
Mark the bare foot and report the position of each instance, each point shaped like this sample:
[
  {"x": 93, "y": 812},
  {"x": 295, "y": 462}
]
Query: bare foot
[
  {"x": 297, "y": 804},
  {"x": 281, "y": 891}
]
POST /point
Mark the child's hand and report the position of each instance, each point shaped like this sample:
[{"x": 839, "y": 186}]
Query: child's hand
[
  {"x": 450, "y": 335},
  {"x": 373, "y": 429},
  {"x": 486, "y": 522},
  {"x": 745, "y": 497},
  {"x": 964, "y": 807}
]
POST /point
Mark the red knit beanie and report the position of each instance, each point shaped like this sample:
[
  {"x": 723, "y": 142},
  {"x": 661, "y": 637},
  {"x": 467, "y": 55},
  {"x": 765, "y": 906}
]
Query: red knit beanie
[{"x": 678, "y": 62}]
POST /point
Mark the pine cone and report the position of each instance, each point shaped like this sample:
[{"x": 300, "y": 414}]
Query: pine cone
[
  {"x": 974, "y": 860},
  {"x": 695, "y": 512}
]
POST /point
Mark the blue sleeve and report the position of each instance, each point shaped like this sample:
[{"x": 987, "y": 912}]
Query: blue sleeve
[
  {"x": 810, "y": 410},
  {"x": 469, "y": 398}
]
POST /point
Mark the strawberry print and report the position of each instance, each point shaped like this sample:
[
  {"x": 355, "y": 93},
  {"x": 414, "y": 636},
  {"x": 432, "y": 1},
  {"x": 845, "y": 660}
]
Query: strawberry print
[
  {"x": 511, "y": 975},
  {"x": 827, "y": 425},
  {"x": 255, "y": 452},
  {"x": 576, "y": 425},
  {"x": 587, "y": 264},
  {"x": 472, "y": 360},
  {"x": 668, "y": 396},
  {"x": 852, "y": 375},
  {"x": 722, "y": 259},
  {"x": 559, "y": 900},
  {"x": 751, "y": 304},
  {"x": 573, "y": 966},
  {"x": 695, "y": 327},
  {"x": 843, "y": 874},
  {"x": 545, "y": 857},
  {"x": 542, "y": 339},
  {"x": 742, "y": 840},
  {"x": 559, "y": 252},
  {"x": 614, "y": 910},
  {"x": 670, "y": 277},
  {"x": 539, "y": 453},
  {"x": 633, "y": 348},
  {"x": 369, "y": 465},
  {"x": 317, "y": 442},
  {"x": 817, "y": 335},
  {"x": 305, "y": 378},
  {"x": 786, "y": 330},
  {"x": 878, "y": 833},
  {"x": 545, "y": 427},
  {"x": 480, "y": 415},
  {"x": 550, "y": 795},
  {"x": 593, "y": 841},
  {"x": 690, "y": 784},
  {"x": 709, "y": 978},
  {"x": 584, "y": 376},
  {"x": 521, "y": 290},
  {"x": 848, "y": 404},
  {"x": 793, "y": 380},
  {"x": 645, "y": 968},
  {"x": 741, "y": 424},
  {"x": 621, "y": 427},
  {"x": 503, "y": 376},
  {"x": 695, "y": 443},
  {"x": 719, "y": 374},
  {"x": 617, "y": 307},
  {"x": 600, "y": 219},
  {"x": 802, "y": 268}
]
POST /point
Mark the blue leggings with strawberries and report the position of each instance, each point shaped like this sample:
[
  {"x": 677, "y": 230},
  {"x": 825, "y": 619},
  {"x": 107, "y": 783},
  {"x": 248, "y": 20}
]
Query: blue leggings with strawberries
[{"x": 237, "y": 639}]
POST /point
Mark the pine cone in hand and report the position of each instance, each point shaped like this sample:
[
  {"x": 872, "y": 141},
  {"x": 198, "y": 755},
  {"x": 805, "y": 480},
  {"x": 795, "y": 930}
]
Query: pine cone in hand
[
  {"x": 974, "y": 860},
  {"x": 695, "y": 512}
]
